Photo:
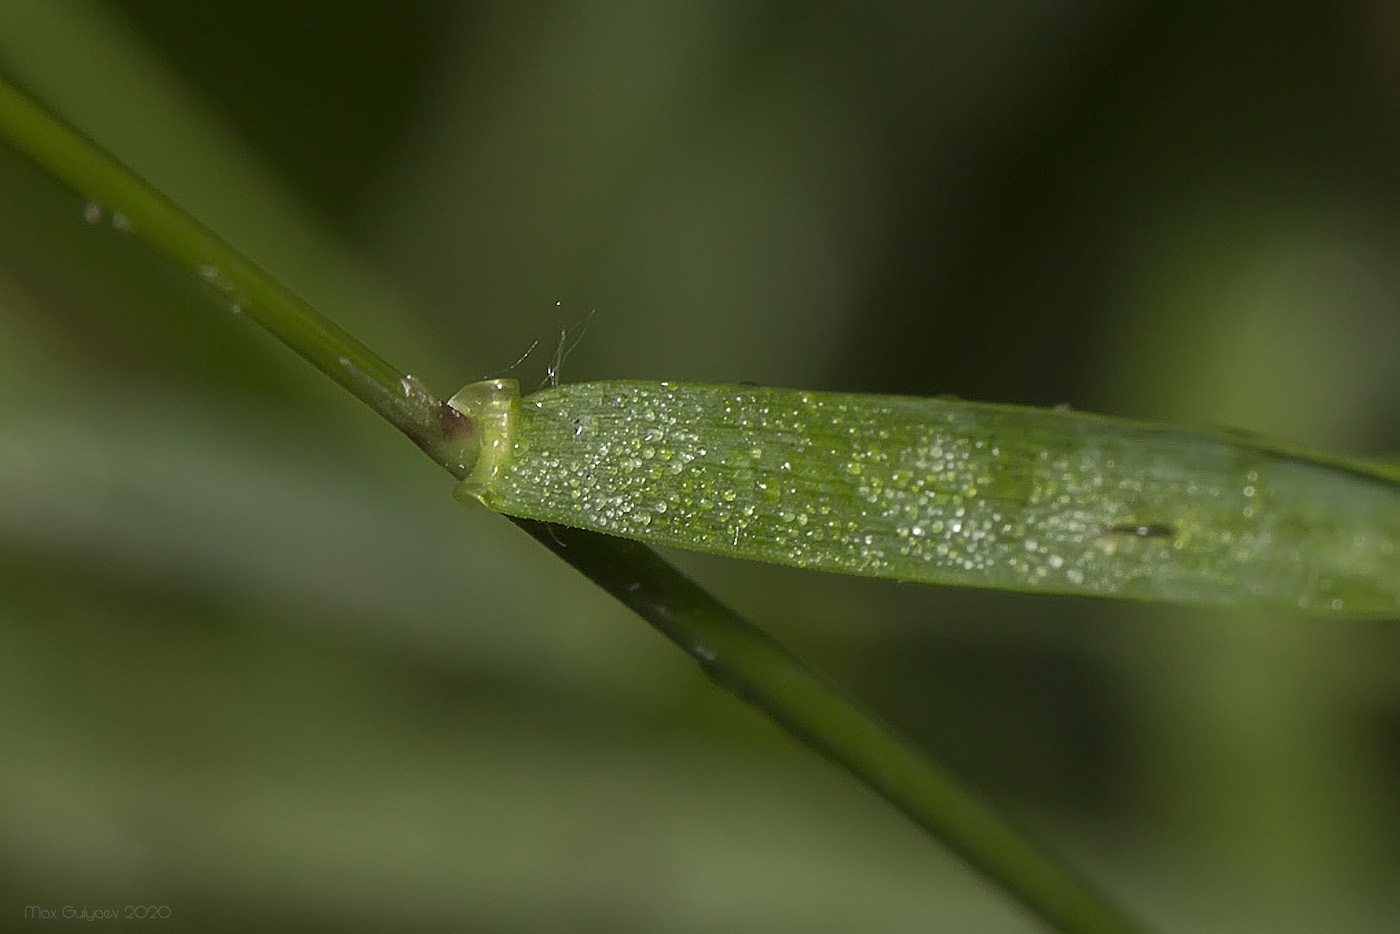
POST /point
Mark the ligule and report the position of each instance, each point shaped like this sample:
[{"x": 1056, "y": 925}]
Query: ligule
[{"x": 945, "y": 492}]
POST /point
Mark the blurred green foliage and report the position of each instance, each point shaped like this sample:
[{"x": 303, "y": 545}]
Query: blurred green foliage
[{"x": 261, "y": 670}]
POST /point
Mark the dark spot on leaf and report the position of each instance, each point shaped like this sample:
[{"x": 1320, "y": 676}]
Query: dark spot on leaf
[{"x": 455, "y": 426}]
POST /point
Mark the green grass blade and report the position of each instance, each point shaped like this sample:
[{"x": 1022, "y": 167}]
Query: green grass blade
[{"x": 951, "y": 492}]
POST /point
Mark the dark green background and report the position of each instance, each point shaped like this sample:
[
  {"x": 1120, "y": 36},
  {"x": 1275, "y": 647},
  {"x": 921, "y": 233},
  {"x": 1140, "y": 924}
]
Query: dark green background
[{"x": 259, "y": 667}]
